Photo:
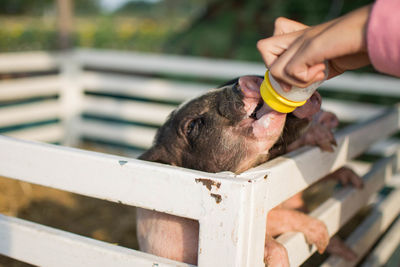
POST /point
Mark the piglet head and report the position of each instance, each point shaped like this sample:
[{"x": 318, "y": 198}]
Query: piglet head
[{"x": 227, "y": 129}]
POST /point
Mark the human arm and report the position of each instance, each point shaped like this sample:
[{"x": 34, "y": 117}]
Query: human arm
[
  {"x": 297, "y": 57},
  {"x": 383, "y": 36}
]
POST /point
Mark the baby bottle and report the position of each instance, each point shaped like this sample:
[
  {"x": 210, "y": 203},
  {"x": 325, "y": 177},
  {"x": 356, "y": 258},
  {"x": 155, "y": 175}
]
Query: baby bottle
[{"x": 285, "y": 102}]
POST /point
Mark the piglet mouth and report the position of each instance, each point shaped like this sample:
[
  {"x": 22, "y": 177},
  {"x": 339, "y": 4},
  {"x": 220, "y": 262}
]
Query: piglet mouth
[{"x": 257, "y": 109}]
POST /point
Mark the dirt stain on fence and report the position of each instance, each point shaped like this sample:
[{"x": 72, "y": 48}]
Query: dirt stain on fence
[{"x": 208, "y": 183}]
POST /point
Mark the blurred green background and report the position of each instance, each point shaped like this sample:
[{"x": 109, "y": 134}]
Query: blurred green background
[{"x": 210, "y": 28}]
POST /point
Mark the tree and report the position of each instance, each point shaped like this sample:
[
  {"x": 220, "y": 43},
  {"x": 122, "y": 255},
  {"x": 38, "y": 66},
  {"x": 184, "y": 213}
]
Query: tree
[
  {"x": 231, "y": 28},
  {"x": 38, "y": 7}
]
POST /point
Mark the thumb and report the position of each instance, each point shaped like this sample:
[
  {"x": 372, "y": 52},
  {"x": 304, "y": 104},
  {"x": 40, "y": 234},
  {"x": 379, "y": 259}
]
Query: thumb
[{"x": 271, "y": 48}]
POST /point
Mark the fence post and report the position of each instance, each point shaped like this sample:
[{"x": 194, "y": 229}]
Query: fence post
[
  {"x": 232, "y": 229},
  {"x": 71, "y": 97}
]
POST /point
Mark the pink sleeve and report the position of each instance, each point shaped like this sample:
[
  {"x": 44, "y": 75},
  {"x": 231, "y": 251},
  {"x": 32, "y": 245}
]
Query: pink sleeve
[{"x": 383, "y": 36}]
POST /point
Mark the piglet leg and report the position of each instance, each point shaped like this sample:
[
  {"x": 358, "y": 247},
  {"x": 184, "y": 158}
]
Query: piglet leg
[
  {"x": 275, "y": 255},
  {"x": 296, "y": 202},
  {"x": 316, "y": 135},
  {"x": 281, "y": 220},
  {"x": 339, "y": 248},
  {"x": 319, "y": 132},
  {"x": 346, "y": 176}
]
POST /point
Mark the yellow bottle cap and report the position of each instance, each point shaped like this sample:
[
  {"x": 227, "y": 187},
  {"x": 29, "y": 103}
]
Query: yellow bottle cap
[{"x": 274, "y": 100}]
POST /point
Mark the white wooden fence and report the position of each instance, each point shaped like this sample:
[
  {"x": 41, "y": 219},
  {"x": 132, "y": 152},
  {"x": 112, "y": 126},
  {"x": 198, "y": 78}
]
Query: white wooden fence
[{"x": 119, "y": 98}]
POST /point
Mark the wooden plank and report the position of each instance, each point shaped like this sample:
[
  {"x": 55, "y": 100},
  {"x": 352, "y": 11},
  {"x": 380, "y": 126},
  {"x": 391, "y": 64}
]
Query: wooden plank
[
  {"x": 22, "y": 88},
  {"x": 362, "y": 239},
  {"x": 385, "y": 248},
  {"x": 137, "y": 136},
  {"x": 28, "y": 62},
  {"x": 350, "y": 111},
  {"x": 50, "y": 133},
  {"x": 337, "y": 210},
  {"x": 224, "y": 69},
  {"x": 167, "y": 64},
  {"x": 29, "y": 113},
  {"x": 129, "y": 181},
  {"x": 127, "y": 109},
  {"x": 243, "y": 223},
  {"x": 45, "y": 246},
  {"x": 360, "y": 167},
  {"x": 385, "y": 147},
  {"x": 373, "y": 84},
  {"x": 159, "y": 89},
  {"x": 231, "y": 200},
  {"x": 294, "y": 172},
  {"x": 194, "y": 66},
  {"x": 136, "y": 86},
  {"x": 71, "y": 97}
]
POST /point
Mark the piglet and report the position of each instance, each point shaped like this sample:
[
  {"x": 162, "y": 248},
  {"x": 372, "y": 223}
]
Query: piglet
[{"x": 230, "y": 129}]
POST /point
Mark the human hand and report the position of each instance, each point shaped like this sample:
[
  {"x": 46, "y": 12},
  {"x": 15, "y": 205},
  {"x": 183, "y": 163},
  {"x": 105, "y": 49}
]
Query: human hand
[{"x": 296, "y": 53}]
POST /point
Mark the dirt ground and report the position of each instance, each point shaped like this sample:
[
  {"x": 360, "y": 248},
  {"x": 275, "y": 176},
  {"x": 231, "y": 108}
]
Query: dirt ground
[{"x": 102, "y": 220}]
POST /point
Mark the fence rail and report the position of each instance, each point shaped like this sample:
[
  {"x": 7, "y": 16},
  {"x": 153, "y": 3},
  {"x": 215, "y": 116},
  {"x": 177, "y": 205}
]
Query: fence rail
[{"x": 121, "y": 97}]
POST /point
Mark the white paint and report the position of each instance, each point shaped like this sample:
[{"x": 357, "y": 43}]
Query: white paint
[
  {"x": 52, "y": 133},
  {"x": 296, "y": 171},
  {"x": 28, "y": 62},
  {"x": 136, "y": 86},
  {"x": 362, "y": 239},
  {"x": 44, "y": 246},
  {"x": 338, "y": 209},
  {"x": 127, "y": 109},
  {"x": 137, "y": 136},
  {"x": 350, "y": 111},
  {"x": 385, "y": 248},
  {"x": 71, "y": 98},
  {"x": 172, "y": 64},
  {"x": 29, "y": 113},
  {"x": 22, "y": 88}
]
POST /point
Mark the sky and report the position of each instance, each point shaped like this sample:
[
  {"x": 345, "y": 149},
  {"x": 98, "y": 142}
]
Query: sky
[{"x": 111, "y": 5}]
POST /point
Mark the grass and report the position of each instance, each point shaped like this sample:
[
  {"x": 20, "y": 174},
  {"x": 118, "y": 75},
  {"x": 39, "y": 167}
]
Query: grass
[{"x": 126, "y": 33}]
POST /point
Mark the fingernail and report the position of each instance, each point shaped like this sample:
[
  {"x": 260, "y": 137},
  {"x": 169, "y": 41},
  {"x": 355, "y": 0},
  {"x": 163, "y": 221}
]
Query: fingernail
[
  {"x": 302, "y": 75},
  {"x": 285, "y": 87}
]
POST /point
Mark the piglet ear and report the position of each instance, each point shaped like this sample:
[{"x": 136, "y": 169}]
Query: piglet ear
[{"x": 250, "y": 85}]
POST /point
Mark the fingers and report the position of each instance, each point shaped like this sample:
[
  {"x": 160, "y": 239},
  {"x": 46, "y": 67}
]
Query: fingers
[
  {"x": 285, "y": 25},
  {"x": 296, "y": 53},
  {"x": 272, "y": 48},
  {"x": 301, "y": 64}
]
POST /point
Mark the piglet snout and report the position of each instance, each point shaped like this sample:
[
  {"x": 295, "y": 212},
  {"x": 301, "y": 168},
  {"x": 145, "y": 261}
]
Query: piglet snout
[{"x": 250, "y": 86}]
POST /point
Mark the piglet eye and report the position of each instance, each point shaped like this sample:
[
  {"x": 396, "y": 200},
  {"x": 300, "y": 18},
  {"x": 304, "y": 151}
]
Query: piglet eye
[
  {"x": 193, "y": 126},
  {"x": 190, "y": 127},
  {"x": 236, "y": 87}
]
